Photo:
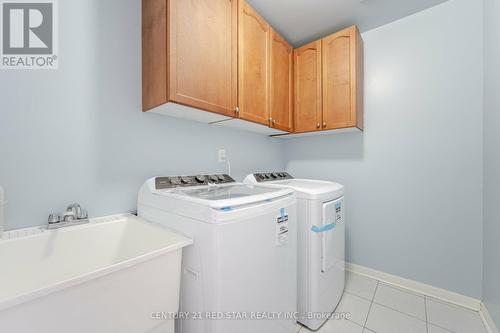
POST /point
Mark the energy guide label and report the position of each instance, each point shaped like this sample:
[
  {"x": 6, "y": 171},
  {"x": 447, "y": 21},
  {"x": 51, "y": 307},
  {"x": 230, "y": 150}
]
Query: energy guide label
[
  {"x": 282, "y": 228},
  {"x": 338, "y": 213}
]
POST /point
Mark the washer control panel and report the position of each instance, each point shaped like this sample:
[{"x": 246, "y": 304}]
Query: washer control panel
[
  {"x": 184, "y": 181},
  {"x": 271, "y": 176}
]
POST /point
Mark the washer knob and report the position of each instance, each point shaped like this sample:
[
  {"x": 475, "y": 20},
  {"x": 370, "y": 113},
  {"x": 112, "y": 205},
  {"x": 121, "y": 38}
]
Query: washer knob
[
  {"x": 185, "y": 180},
  {"x": 221, "y": 178},
  {"x": 213, "y": 178},
  {"x": 274, "y": 175},
  {"x": 200, "y": 179},
  {"x": 175, "y": 181}
]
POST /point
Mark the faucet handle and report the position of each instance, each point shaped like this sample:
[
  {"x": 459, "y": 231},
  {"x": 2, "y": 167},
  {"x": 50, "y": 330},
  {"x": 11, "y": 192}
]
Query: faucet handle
[
  {"x": 81, "y": 213},
  {"x": 78, "y": 212},
  {"x": 54, "y": 218}
]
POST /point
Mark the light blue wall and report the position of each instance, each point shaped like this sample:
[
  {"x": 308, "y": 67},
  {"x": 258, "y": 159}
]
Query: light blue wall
[
  {"x": 414, "y": 178},
  {"x": 77, "y": 133},
  {"x": 491, "y": 284}
]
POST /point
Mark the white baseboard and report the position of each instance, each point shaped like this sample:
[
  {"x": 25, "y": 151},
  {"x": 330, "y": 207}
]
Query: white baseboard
[
  {"x": 487, "y": 320},
  {"x": 418, "y": 287}
]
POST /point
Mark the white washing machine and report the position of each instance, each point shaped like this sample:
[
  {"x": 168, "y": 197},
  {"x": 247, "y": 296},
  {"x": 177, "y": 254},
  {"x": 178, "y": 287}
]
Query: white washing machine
[
  {"x": 238, "y": 274},
  {"x": 321, "y": 227}
]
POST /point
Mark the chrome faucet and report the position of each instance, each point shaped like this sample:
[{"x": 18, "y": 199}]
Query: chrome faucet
[{"x": 74, "y": 215}]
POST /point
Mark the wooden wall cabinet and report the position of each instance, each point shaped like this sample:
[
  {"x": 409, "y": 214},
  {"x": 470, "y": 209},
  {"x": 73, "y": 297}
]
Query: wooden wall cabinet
[
  {"x": 221, "y": 56},
  {"x": 329, "y": 83},
  {"x": 281, "y": 87},
  {"x": 253, "y": 74},
  {"x": 308, "y": 100},
  {"x": 189, "y": 55},
  {"x": 342, "y": 80},
  {"x": 265, "y": 80}
]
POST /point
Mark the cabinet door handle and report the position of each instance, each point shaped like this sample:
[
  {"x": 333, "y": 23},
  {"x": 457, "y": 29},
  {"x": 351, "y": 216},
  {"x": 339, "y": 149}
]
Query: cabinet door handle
[
  {"x": 318, "y": 125},
  {"x": 324, "y": 125},
  {"x": 237, "y": 110}
]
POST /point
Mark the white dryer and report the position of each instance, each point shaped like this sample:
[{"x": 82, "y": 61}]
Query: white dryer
[
  {"x": 238, "y": 274},
  {"x": 321, "y": 227}
]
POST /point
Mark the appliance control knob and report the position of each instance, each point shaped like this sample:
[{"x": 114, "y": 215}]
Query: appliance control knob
[
  {"x": 221, "y": 178},
  {"x": 213, "y": 178},
  {"x": 200, "y": 179},
  {"x": 175, "y": 181},
  {"x": 268, "y": 175},
  {"x": 274, "y": 175},
  {"x": 283, "y": 174},
  {"x": 185, "y": 180},
  {"x": 261, "y": 176}
]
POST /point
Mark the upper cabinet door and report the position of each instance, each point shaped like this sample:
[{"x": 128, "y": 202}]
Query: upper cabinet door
[
  {"x": 341, "y": 74},
  {"x": 154, "y": 54},
  {"x": 253, "y": 63},
  {"x": 281, "y": 71},
  {"x": 203, "y": 54},
  {"x": 307, "y": 72}
]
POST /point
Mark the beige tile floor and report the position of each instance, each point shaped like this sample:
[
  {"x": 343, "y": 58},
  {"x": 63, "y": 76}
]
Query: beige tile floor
[{"x": 378, "y": 307}]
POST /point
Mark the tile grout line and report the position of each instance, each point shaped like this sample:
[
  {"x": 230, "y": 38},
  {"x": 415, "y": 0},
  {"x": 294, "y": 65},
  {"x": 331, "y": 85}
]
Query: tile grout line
[
  {"x": 443, "y": 328},
  {"x": 358, "y": 296},
  {"x": 371, "y": 304},
  {"x": 350, "y": 320},
  {"x": 426, "y": 299},
  {"x": 458, "y": 307},
  {"x": 406, "y": 292},
  {"x": 397, "y": 310},
  {"x": 427, "y": 318}
]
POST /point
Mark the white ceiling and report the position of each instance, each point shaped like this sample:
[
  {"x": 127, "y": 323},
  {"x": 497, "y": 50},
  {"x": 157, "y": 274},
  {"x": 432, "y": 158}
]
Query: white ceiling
[{"x": 301, "y": 21}]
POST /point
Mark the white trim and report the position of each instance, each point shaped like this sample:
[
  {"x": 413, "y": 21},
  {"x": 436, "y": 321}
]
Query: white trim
[
  {"x": 487, "y": 320},
  {"x": 418, "y": 287}
]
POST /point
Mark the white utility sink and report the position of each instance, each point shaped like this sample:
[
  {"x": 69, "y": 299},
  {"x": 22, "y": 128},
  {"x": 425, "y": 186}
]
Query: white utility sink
[{"x": 101, "y": 277}]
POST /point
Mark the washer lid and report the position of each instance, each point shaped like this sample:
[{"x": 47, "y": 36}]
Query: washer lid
[
  {"x": 228, "y": 196},
  {"x": 311, "y": 189}
]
